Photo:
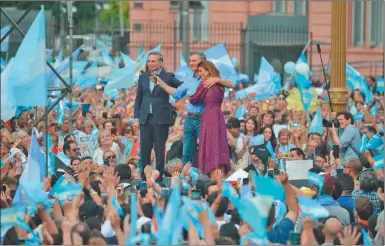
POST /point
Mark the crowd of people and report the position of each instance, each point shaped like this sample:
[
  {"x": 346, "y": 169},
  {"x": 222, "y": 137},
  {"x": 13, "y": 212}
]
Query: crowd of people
[{"x": 135, "y": 169}]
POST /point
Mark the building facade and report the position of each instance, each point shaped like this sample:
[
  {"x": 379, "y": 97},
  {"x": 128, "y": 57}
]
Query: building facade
[{"x": 211, "y": 22}]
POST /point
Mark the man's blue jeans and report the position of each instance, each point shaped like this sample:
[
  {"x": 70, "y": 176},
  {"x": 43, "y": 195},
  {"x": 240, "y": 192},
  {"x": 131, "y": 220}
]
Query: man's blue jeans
[{"x": 191, "y": 133}]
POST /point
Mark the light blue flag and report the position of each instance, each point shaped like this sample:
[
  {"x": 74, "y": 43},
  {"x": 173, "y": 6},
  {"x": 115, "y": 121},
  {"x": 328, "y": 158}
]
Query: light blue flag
[
  {"x": 184, "y": 70},
  {"x": 122, "y": 78},
  {"x": 379, "y": 162},
  {"x": 267, "y": 186},
  {"x": 240, "y": 112},
  {"x": 63, "y": 190},
  {"x": 61, "y": 114},
  {"x": 358, "y": 116},
  {"x": 266, "y": 72},
  {"x": 63, "y": 66},
  {"x": 140, "y": 54},
  {"x": 51, "y": 156},
  {"x": 229, "y": 191},
  {"x": 164, "y": 235},
  {"x": 3, "y": 64},
  {"x": 302, "y": 82},
  {"x": 365, "y": 237},
  {"x": 374, "y": 110},
  {"x": 306, "y": 97},
  {"x": 263, "y": 90},
  {"x": 126, "y": 59},
  {"x": 133, "y": 218},
  {"x": 5, "y": 43},
  {"x": 316, "y": 124},
  {"x": 117, "y": 207},
  {"x": 27, "y": 75},
  {"x": 8, "y": 109},
  {"x": 87, "y": 81},
  {"x": 13, "y": 216},
  {"x": 380, "y": 85},
  {"x": 34, "y": 195},
  {"x": 219, "y": 55},
  {"x": 311, "y": 208},
  {"x": 194, "y": 173},
  {"x": 302, "y": 59},
  {"x": 376, "y": 142},
  {"x": 243, "y": 78},
  {"x": 256, "y": 140},
  {"x": 317, "y": 180},
  {"x": 66, "y": 104},
  {"x": 235, "y": 61},
  {"x": 105, "y": 55},
  {"x": 286, "y": 86}
]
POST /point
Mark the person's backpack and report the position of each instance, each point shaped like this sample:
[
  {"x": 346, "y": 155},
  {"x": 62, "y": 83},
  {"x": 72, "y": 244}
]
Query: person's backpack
[{"x": 176, "y": 150}]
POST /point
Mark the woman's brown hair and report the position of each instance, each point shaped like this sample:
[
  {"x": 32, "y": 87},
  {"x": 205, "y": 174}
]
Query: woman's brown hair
[{"x": 210, "y": 67}]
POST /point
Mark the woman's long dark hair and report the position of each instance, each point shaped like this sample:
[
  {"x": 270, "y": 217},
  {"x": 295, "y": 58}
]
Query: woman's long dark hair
[{"x": 273, "y": 139}]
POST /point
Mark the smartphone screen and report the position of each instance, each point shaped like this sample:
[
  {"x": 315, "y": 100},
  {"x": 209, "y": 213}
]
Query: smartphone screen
[
  {"x": 245, "y": 181},
  {"x": 295, "y": 238},
  {"x": 106, "y": 162},
  {"x": 196, "y": 195},
  {"x": 270, "y": 172}
]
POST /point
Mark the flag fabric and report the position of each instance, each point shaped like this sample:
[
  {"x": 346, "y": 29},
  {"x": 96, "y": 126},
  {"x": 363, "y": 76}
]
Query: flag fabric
[
  {"x": 105, "y": 55},
  {"x": 317, "y": 180},
  {"x": 27, "y": 75},
  {"x": 365, "y": 237},
  {"x": 63, "y": 190},
  {"x": 302, "y": 59},
  {"x": 59, "y": 57},
  {"x": 311, "y": 208},
  {"x": 5, "y": 43},
  {"x": 240, "y": 112},
  {"x": 126, "y": 59},
  {"x": 8, "y": 109},
  {"x": 219, "y": 55},
  {"x": 117, "y": 207},
  {"x": 380, "y": 85},
  {"x": 267, "y": 186},
  {"x": 143, "y": 60},
  {"x": 272, "y": 153},
  {"x": 63, "y": 66},
  {"x": 184, "y": 70},
  {"x": 164, "y": 235},
  {"x": 302, "y": 82},
  {"x": 122, "y": 78},
  {"x": 316, "y": 124},
  {"x": 194, "y": 173},
  {"x": 3, "y": 64}
]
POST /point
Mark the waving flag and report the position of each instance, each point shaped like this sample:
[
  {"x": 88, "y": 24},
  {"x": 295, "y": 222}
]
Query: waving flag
[
  {"x": 8, "y": 109},
  {"x": 311, "y": 208},
  {"x": 316, "y": 124},
  {"x": 105, "y": 55},
  {"x": 5, "y": 43},
  {"x": 184, "y": 70},
  {"x": 117, "y": 207},
  {"x": 122, "y": 78},
  {"x": 317, "y": 180},
  {"x": 240, "y": 112},
  {"x": 266, "y": 71},
  {"x": 63, "y": 190},
  {"x": 302, "y": 59},
  {"x": 126, "y": 59},
  {"x": 3, "y": 64},
  {"x": 380, "y": 85},
  {"x": 27, "y": 75},
  {"x": 219, "y": 55}
]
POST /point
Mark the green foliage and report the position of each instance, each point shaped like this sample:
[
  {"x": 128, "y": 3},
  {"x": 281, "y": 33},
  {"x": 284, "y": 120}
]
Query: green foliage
[{"x": 111, "y": 15}]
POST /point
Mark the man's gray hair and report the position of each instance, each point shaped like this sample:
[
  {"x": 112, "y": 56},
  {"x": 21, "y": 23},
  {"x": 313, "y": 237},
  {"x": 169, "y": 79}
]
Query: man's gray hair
[
  {"x": 173, "y": 162},
  {"x": 156, "y": 53},
  {"x": 201, "y": 55}
]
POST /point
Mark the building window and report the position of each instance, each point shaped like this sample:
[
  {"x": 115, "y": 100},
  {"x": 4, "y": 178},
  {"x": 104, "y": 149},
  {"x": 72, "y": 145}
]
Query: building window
[
  {"x": 279, "y": 6},
  {"x": 299, "y": 7},
  {"x": 200, "y": 21},
  {"x": 376, "y": 23},
  {"x": 138, "y": 5},
  {"x": 137, "y": 27},
  {"x": 358, "y": 32}
]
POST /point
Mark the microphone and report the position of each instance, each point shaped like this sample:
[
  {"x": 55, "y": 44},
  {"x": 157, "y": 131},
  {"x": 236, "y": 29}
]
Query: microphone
[{"x": 327, "y": 84}]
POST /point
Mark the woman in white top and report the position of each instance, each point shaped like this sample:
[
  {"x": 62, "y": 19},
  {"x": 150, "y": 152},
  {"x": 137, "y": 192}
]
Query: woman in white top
[
  {"x": 109, "y": 142},
  {"x": 242, "y": 144}
]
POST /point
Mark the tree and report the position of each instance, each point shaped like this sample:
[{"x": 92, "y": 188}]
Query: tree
[{"x": 111, "y": 15}]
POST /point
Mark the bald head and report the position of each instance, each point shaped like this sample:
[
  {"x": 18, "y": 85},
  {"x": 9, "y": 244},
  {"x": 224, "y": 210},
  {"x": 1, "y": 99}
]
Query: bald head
[{"x": 332, "y": 227}]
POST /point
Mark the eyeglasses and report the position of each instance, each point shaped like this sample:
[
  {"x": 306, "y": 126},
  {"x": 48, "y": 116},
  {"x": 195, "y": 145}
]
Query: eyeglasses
[
  {"x": 110, "y": 157},
  {"x": 75, "y": 150},
  {"x": 347, "y": 167}
]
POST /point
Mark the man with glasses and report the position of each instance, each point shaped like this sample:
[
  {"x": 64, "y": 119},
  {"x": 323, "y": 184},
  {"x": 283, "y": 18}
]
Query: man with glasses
[
  {"x": 70, "y": 150},
  {"x": 353, "y": 167},
  {"x": 110, "y": 158}
]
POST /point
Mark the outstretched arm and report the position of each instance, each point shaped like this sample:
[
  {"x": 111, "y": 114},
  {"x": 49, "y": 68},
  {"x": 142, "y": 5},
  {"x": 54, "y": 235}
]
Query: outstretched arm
[
  {"x": 213, "y": 81},
  {"x": 198, "y": 96}
]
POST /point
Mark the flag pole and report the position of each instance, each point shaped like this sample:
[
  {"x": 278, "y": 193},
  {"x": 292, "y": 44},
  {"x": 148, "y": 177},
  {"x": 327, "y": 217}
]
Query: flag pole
[{"x": 70, "y": 26}]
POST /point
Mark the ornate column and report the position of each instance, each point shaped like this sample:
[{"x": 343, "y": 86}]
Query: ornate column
[{"x": 338, "y": 88}]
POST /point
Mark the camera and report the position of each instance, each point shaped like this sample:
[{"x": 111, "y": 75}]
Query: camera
[{"x": 330, "y": 123}]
